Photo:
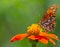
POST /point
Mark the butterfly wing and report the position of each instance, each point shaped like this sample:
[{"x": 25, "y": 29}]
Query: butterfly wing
[{"x": 48, "y": 22}]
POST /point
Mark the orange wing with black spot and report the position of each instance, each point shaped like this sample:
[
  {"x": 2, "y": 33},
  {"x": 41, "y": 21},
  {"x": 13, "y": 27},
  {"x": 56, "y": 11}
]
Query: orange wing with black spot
[{"x": 48, "y": 22}]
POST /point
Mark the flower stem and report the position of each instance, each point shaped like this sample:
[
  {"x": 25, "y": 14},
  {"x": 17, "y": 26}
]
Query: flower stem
[{"x": 34, "y": 45}]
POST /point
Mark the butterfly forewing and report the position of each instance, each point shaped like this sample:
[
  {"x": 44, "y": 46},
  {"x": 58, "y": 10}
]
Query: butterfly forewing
[{"x": 48, "y": 22}]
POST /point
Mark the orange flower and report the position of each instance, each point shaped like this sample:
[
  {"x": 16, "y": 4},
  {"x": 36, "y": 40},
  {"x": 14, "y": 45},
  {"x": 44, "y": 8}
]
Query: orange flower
[{"x": 34, "y": 32}]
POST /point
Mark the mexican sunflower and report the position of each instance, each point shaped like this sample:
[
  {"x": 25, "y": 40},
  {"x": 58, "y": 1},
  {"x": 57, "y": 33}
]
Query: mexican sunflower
[{"x": 35, "y": 32}]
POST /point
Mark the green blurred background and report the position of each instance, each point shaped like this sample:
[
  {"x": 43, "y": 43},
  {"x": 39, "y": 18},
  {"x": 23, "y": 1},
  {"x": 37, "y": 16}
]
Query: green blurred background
[{"x": 16, "y": 15}]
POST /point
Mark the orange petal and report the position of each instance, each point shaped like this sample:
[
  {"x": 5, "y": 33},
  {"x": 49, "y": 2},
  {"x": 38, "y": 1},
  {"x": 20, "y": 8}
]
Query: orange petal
[
  {"x": 43, "y": 41},
  {"x": 52, "y": 41},
  {"x": 53, "y": 36},
  {"x": 32, "y": 37},
  {"x": 49, "y": 35},
  {"x": 43, "y": 33},
  {"x": 18, "y": 37}
]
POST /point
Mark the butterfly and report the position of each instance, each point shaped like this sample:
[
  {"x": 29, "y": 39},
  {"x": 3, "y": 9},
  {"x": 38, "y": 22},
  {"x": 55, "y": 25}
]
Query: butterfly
[{"x": 48, "y": 21}]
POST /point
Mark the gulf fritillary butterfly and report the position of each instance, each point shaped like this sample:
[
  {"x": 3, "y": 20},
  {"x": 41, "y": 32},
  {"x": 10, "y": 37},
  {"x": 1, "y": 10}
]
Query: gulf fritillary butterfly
[{"x": 48, "y": 22}]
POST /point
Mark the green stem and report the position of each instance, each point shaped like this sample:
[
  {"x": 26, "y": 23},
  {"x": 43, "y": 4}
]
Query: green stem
[{"x": 34, "y": 45}]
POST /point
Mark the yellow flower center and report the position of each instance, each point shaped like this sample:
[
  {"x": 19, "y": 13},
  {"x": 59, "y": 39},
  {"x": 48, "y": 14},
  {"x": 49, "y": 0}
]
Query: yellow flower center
[{"x": 34, "y": 29}]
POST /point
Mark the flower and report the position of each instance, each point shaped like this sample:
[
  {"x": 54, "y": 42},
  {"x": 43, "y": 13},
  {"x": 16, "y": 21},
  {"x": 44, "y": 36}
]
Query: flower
[{"x": 35, "y": 32}]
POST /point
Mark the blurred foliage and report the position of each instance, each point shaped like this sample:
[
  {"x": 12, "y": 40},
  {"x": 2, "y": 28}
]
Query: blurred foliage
[{"x": 16, "y": 15}]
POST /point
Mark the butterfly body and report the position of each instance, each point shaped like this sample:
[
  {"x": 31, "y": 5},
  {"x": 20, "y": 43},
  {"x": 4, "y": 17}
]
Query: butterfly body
[{"x": 48, "y": 22}]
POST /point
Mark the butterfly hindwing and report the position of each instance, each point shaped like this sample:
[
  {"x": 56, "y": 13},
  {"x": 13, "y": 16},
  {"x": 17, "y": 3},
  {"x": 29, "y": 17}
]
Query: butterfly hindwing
[{"x": 48, "y": 22}]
